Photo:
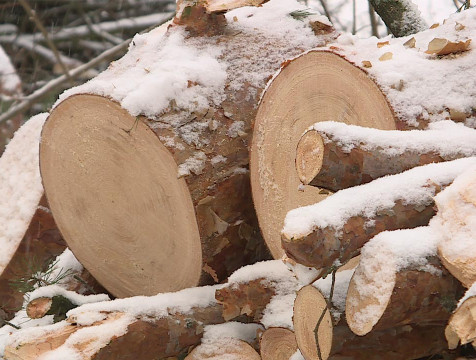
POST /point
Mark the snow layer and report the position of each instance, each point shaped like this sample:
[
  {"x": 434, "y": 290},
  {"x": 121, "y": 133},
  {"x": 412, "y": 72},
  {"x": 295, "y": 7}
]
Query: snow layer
[
  {"x": 10, "y": 83},
  {"x": 416, "y": 83},
  {"x": 157, "y": 306},
  {"x": 174, "y": 79},
  {"x": 444, "y": 137},
  {"x": 231, "y": 330},
  {"x": 469, "y": 293},
  {"x": 75, "y": 298},
  {"x": 366, "y": 200},
  {"x": 20, "y": 186},
  {"x": 381, "y": 259},
  {"x": 279, "y": 311}
]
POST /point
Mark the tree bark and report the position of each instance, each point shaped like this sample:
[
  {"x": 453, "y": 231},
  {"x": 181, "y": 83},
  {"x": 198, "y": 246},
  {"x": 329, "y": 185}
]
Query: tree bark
[
  {"x": 339, "y": 342},
  {"x": 417, "y": 297},
  {"x": 400, "y": 16},
  {"x": 326, "y": 159}
]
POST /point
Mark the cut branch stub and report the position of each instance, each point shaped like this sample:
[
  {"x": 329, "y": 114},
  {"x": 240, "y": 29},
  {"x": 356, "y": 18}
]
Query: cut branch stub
[
  {"x": 277, "y": 344},
  {"x": 349, "y": 96},
  {"x": 336, "y": 156}
]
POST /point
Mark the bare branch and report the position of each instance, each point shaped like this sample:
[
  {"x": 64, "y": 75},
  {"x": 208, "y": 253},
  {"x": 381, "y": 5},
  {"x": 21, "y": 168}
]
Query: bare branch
[
  {"x": 34, "y": 97},
  {"x": 32, "y": 15},
  {"x": 326, "y": 10}
]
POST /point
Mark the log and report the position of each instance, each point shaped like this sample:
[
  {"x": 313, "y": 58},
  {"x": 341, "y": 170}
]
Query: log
[
  {"x": 10, "y": 88},
  {"x": 148, "y": 328},
  {"x": 336, "y": 228},
  {"x": 400, "y": 281},
  {"x": 360, "y": 90},
  {"x": 28, "y": 234},
  {"x": 456, "y": 221},
  {"x": 460, "y": 327},
  {"x": 277, "y": 344},
  {"x": 338, "y": 342},
  {"x": 336, "y": 156},
  {"x": 194, "y": 127},
  {"x": 278, "y": 128},
  {"x": 231, "y": 349}
]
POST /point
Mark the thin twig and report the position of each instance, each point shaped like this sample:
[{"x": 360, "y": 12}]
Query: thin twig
[
  {"x": 32, "y": 14},
  {"x": 354, "y": 17},
  {"x": 373, "y": 21},
  {"x": 328, "y": 307},
  {"x": 326, "y": 11}
]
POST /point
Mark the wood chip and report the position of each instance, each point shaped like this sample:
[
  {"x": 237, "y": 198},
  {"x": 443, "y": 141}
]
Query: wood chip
[
  {"x": 459, "y": 27},
  {"x": 434, "y": 26},
  {"x": 410, "y": 43},
  {"x": 386, "y": 56},
  {"x": 366, "y": 64},
  {"x": 441, "y": 46},
  {"x": 382, "y": 44}
]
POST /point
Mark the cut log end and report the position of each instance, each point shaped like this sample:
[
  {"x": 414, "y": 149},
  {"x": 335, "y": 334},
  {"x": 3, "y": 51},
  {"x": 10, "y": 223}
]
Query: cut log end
[
  {"x": 461, "y": 324},
  {"x": 38, "y": 308},
  {"x": 309, "y": 156},
  {"x": 277, "y": 344},
  {"x": 283, "y": 117},
  {"x": 308, "y": 308},
  {"x": 128, "y": 219},
  {"x": 230, "y": 349}
]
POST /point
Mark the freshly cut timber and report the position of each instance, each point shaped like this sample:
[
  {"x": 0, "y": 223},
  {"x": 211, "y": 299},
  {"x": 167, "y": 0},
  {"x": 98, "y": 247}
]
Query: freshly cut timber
[
  {"x": 231, "y": 349},
  {"x": 338, "y": 341},
  {"x": 361, "y": 88},
  {"x": 336, "y": 228},
  {"x": 277, "y": 344},
  {"x": 456, "y": 220},
  {"x": 336, "y": 156},
  {"x": 387, "y": 290},
  {"x": 171, "y": 323},
  {"x": 153, "y": 190},
  {"x": 461, "y": 328},
  {"x": 28, "y": 234},
  {"x": 349, "y": 96}
]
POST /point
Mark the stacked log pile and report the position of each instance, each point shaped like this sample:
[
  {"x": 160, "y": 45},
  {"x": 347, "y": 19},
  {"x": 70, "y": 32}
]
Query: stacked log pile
[{"x": 150, "y": 188}]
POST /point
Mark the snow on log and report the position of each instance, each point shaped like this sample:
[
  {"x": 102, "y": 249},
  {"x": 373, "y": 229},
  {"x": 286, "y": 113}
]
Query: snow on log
[
  {"x": 263, "y": 292},
  {"x": 336, "y": 156},
  {"x": 10, "y": 90},
  {"x": 460, "y": 327},
  {"x": 28, "y": 234},
  {"x": 56, "y": 300},
  {"x": 456, "y": 220},
  {"x": 338, "y": 341},
  {"x": 277, "y": 344},
  {"x": 168, "y": 201},
  {"x": 155, "y": 327},
  {"x": 434, "y": 87},
  {"x": 400, "y": 281},
  {"x": 335, "y": 229},
  {"x": 229, "y": 349},
  {"x": 360, "y": 89}
]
